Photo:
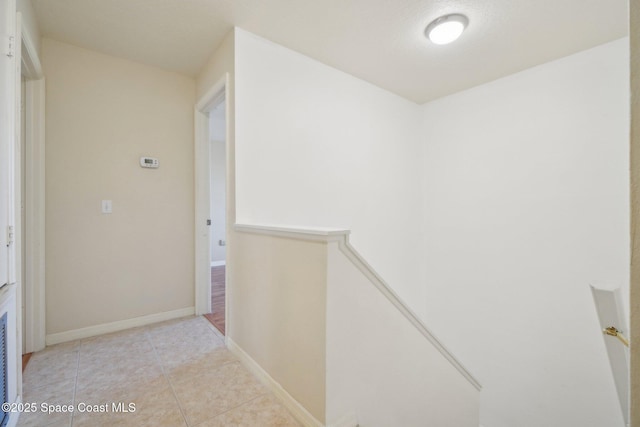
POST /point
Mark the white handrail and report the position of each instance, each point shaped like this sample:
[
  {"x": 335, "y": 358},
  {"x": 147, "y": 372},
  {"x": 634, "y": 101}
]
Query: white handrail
[
  {"x": 342, "y": 237},
  {"x": 386, "y": 290}
]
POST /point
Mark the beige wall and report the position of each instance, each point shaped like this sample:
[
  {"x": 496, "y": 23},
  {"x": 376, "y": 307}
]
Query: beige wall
[
  {"x": 317, "y": 320},
  {"x": 279, "y": 312},
  {"x": 103, "y": 113},
  {"x": 221, "y": 61},
  {"x": 635, "y": 213}
]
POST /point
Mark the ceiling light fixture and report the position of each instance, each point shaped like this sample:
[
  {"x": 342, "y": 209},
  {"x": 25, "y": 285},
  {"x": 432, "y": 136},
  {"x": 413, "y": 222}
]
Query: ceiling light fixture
[{"x": 446, "y": 29}]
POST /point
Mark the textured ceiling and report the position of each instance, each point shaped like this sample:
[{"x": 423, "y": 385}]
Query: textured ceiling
[{"x": 379, "y": 41}]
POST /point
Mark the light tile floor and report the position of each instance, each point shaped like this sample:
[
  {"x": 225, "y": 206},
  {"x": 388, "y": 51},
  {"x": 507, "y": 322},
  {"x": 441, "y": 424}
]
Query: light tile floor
[{"x": 177, "y": 374}]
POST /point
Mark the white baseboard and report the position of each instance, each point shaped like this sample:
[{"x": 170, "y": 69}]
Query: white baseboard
[
  {"x": 296, "y": 409},
  {"x": 218, "y": 263},
  {"x": 120, "y": 325}
]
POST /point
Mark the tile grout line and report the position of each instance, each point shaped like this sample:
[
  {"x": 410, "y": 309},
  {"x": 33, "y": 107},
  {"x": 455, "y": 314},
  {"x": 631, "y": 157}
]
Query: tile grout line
[
  {"x": 175, "y": 395},
  {"x": 84, "y": 346},
  {"x": 235, "y": 407},
  {"x": 75, "y": 384},
  {"x": 221, "y": 338},
  {"x": 215, "y": 330},
  {"x": 219, "y": 335},
  {"x": 36, "y": 389},
  {"x": 166, "y": 377}
]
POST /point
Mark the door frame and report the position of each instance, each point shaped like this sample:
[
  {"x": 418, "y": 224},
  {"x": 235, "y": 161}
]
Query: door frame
[
  {"x": 215, "y": 95},
  {"x": 34, "y": 203}
]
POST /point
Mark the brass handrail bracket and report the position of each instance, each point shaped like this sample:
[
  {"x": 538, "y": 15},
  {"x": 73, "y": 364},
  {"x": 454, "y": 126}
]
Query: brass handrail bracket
[{"x": 612, "y": 331}]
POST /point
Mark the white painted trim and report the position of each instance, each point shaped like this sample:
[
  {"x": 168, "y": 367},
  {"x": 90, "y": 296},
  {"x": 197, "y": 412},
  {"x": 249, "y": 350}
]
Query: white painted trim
[
  {"x": 31, "y": 66},
  {"x": 342, "y": 237},
  {"x": 385, "y": 289},
  {"x": 34, "y": 202},
  {"x": 16, "y": 249},
  {"x": 202, "y": 194},
  {"x": 120, "y": 325},
  {"x": 218, "y": 263},
  {"x": 296, "y": 409},
  {"x": 298, "y": 233},
  {"x": 214, "y": 95},
  {"x": 14, "y": 165}
]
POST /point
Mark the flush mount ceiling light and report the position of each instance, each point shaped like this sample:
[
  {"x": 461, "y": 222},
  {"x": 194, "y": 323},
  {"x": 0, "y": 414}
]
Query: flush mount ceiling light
[{"x": 446, "y": 29}]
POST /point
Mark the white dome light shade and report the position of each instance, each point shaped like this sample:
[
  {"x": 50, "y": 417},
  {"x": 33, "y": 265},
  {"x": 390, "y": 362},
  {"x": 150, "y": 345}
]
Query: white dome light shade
[{"x": 446, "y": 28}]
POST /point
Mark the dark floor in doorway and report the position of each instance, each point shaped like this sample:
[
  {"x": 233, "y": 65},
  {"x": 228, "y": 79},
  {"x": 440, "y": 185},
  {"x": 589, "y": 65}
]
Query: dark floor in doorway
[{"x": 217, "y": 298}]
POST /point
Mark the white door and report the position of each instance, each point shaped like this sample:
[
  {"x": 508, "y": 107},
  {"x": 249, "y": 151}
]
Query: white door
[
  {"x": 203, "y": 194},
  {"x": 7, "y": 130}
]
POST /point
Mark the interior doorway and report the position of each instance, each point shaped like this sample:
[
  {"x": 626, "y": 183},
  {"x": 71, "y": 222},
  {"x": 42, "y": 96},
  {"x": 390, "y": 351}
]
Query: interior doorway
[
  {"x": 217, "y": 213},
  {"x": 214, "y": 203}
]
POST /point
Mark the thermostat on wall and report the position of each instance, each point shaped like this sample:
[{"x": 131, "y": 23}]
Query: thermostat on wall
[{"x": 149, "y": 162}]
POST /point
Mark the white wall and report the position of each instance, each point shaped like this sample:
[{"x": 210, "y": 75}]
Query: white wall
[
  {"x": 489, "y": 212},
  {"x": 221, "y": 61},
  {"x": 103, "y": 113},
  {"x": 380, "y": 367},
  {"x": 316, "y": 147},
  {"x": 526, "y": 204}
]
